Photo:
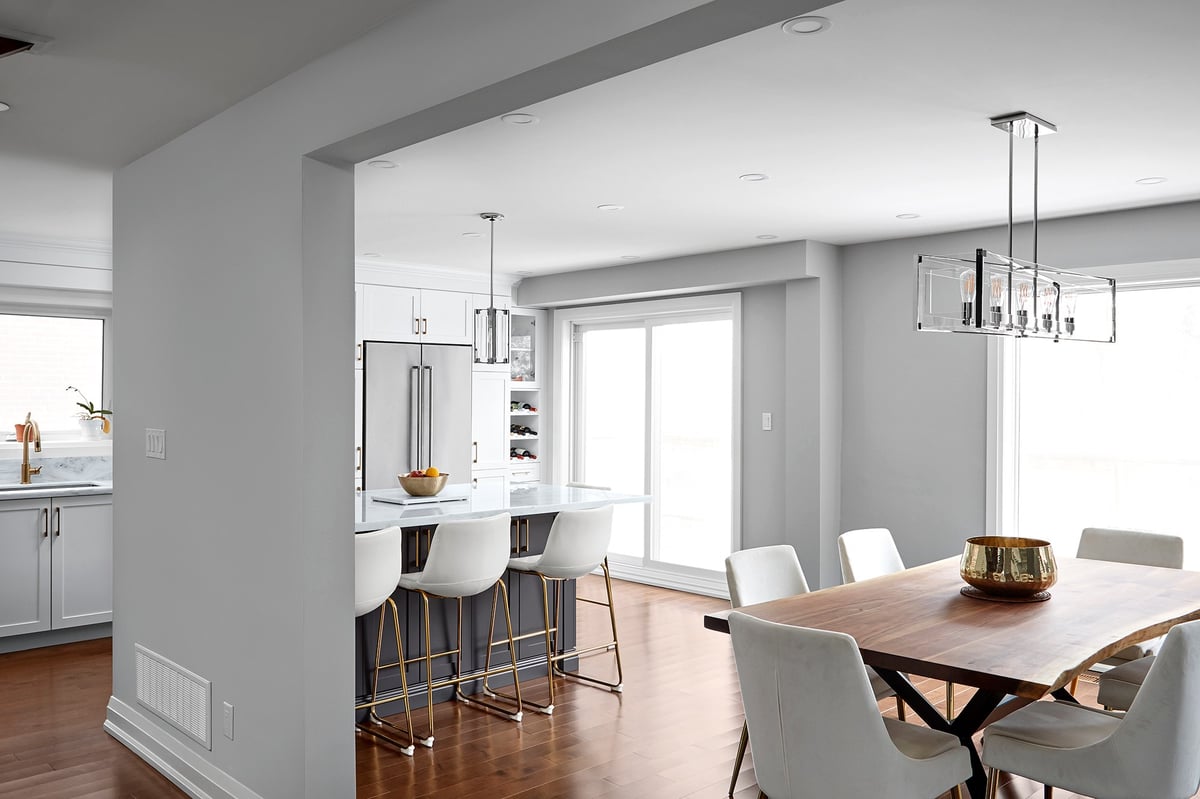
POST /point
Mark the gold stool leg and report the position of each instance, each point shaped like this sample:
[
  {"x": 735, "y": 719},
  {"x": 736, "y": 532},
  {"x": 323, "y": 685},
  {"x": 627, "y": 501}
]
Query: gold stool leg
[
  {"x": 486, "y": 689},
  {"x": 372, "y": 713},
  {"x": 615, "y": 646},
  {"x": 956, "y": 792},
  {"x": 428, "y": 740},
  {"x": 737, "y": 760}
]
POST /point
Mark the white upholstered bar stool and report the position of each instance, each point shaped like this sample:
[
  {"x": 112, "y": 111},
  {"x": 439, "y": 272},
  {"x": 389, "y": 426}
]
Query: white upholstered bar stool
[
  {"x": 871, "y": 552},
  {"x": 1151, "y": 751},
  {"x": 378, "y": 562},
  {"x": 577, "y": 545},
  {"x": 762, "y": 574},
  {"x": 465, "y": 558},
  {"x": 815, "y": 726},
  {"x": 1119, "y": 684}
]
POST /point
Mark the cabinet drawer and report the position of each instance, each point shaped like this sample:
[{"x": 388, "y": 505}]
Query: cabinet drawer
[{"x": 525, "y": 473}]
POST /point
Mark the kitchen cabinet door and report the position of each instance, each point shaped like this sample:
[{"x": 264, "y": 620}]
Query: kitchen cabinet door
[
  {"x": 447, "y": 317},
  {"x": 358, "y": 325},
  {"x": 390, "y": 313},
  {"x": 489, "y": 420},
  {"x": 24, "y": 566},
  {"x": 81, "y": 543},
  {"x": 358, "y": 425}
]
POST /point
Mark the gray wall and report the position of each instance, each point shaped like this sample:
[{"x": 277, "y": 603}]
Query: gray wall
[
  {"x": 233, "y": 308},
  {"x": 914, "y": 404}
]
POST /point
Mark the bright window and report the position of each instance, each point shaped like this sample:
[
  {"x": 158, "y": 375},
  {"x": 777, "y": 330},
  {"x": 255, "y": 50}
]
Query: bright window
[
  {"x": 1109, "y": 434},
  {"x": 39, "y": 357}
]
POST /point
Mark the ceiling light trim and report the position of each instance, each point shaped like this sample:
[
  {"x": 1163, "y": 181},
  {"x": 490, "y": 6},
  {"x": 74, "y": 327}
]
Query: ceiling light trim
[{"x": 807, "y": 25}]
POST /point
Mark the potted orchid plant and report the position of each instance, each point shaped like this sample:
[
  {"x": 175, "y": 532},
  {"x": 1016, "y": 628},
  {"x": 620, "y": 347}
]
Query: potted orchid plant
[{"x": 93, "y": 421}]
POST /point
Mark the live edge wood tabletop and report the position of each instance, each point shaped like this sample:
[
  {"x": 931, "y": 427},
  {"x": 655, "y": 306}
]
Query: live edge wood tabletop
[{"x": 916, "y": 621}]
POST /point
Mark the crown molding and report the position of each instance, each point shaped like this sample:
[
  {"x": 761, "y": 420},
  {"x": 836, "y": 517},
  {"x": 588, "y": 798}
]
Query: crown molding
[
  {"x": 81, "y": 253},
  {"x": 430, "y": 277}
]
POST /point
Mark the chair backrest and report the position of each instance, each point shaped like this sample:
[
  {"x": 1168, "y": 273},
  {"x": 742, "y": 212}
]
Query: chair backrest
[
  {"x": 870, "y": 552},
  {"x": 378, "y": 562},
  {"x": 467, "y": 557},
  {"x": 815, "y": 727},
  {"x": 762, "y": 574},
  {"x": 578, "y": 542},
  {"x": 1131, "y": 546},
  {"x": 1155, "y": 747}
]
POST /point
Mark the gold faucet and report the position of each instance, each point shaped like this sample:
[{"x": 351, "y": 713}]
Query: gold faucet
[{"x": 31, "y": 431}]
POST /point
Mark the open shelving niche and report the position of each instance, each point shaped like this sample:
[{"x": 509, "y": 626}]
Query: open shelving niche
[{"x": 524, "y": 389}]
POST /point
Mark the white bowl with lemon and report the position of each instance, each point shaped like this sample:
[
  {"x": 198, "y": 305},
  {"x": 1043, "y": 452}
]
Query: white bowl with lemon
[{"x": 423, "y": 482}]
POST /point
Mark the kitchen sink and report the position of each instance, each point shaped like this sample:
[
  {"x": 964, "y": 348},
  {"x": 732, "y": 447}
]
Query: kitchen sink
[{"x": 49, "y": 484}]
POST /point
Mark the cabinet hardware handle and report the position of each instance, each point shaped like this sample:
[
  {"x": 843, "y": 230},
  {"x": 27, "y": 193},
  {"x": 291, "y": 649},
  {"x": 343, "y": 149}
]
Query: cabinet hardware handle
[
  {"x": 475, "y": 452},
  {"x": 424, "y": 326},
  {"x": 358, "y": 459},
  {"x": 358, "y": 357},
  {"x": 474, "y": 482},
  {"x": 45, "y": 522},
  {"x": 57, "y": 522},
  {"x": 416, "y": 326}
]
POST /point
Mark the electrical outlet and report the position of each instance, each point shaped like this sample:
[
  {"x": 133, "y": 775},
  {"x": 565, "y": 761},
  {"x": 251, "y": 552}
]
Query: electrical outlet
[
  {"x": 228, "y": 720},
  {"x": 766, "y": 421},
  {"x": 156, "y": 443}
]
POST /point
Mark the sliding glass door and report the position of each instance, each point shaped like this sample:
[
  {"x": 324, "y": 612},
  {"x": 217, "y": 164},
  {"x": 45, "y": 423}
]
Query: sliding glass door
[{"x": 653, "y": 411}]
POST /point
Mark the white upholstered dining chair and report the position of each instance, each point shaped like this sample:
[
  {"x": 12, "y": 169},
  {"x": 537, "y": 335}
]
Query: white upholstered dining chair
[
  {"x": 1119, "y": 685},
  {"x": 1150, "y": 751},
  {"x": 871, "y": 552},
  {"x": 762, "y": 574},
  {"x": 816, "y": 729}
]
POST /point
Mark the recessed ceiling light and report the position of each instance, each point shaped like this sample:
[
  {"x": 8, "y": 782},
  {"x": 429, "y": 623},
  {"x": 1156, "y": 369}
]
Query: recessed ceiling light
[
  {"x": 804, "y": 26},
  {"x": 382, "y": 164},
  {"x": 370, "y": 255},
  {"x": 609, "y": 207},
  {"x": 630, "y": 257},
  {"x": 753, "y": 177},
  {"x": 470, "y": 234},
  {"x": 4, "y": 106},
  {"x": 520, "y": 119},
  {"x": 908, "y": 216},
  {"x": 1150, "y": 181},
  {"x": 766, "y": 236}
]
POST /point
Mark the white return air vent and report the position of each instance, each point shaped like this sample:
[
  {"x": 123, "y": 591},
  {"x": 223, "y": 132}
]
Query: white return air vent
[{"x": 174, "y": 694}]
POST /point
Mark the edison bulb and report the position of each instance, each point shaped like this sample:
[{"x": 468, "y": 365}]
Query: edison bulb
[{"x": 966, "y": 290}]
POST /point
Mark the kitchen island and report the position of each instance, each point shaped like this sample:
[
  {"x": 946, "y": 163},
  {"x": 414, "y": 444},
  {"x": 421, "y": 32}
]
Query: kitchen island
[{"x": 532, "y": 508}]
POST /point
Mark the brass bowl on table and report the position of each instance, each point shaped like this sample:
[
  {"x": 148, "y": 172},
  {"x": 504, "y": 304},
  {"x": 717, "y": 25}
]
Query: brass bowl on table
[
  {"x": 422, "y": 486},
  {"x": 1007, "y": 567}
]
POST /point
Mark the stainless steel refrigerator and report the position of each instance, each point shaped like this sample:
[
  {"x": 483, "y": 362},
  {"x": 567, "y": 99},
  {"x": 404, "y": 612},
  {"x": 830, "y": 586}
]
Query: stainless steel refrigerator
[{"x": 416, "y": 411}]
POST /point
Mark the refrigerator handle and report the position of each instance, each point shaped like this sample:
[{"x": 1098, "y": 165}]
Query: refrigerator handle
[
  {"x": 428, "y": 415},
  {"x": 414, "y": 437}
]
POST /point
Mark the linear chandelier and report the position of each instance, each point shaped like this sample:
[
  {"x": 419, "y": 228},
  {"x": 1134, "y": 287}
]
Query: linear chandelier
[
  {"x": 994, "y": 294},
  {"x": 491, "y": 323}
]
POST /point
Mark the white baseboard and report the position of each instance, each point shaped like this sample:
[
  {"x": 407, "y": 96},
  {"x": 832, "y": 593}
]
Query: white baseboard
[
  {"x": 692, "y": 584},
  {"x": 172, "y": 758}
]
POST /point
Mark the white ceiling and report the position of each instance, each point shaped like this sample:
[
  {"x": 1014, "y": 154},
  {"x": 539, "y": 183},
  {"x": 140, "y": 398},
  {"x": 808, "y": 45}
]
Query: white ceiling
[
  {"x": 883, "y": 114},
  {"x": 122, "y": 77}
]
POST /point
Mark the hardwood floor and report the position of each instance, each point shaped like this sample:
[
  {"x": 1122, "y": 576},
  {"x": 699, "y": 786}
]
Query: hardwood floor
[{"x": 672, "y": 734}]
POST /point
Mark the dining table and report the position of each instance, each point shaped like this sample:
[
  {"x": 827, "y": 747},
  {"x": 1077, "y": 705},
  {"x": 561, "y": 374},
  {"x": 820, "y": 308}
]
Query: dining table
[{"x": 918, "y": 622}]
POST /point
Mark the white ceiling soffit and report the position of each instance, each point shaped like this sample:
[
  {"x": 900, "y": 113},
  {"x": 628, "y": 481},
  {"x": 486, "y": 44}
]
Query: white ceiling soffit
[
  {"x": 122, "y": 77},
  {"x": 883, "y": 114}
]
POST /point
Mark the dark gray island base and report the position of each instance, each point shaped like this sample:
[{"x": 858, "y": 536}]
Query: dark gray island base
[{"x": 529, "y": 532}]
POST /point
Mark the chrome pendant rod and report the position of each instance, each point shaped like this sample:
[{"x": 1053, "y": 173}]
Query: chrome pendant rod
[{"x": 1036, "y": 139}]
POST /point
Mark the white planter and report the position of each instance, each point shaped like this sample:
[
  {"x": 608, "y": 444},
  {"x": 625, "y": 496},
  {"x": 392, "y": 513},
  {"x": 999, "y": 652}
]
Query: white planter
[{"x": 92, "y": 429}]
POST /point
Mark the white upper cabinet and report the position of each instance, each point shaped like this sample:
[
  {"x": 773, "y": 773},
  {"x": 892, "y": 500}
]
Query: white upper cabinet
[
  {"x": 358, "y": 325},
  {"x": 392, "y": 313},
  {"x": 489, "y": 420}
]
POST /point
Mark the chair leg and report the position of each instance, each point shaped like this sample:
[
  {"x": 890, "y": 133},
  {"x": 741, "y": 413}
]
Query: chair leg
[
  {"x": 993, "y": 783},
  {"x": 737, "y": 760},
  {"x": 1074, "y": 685},
  {"x": 900, "y": 712},
  {"x": 956, "y": 792},
  {"x": 1048, "y": 792},
  {"x": 508, "y": 713},
  {"x": 428, "y": 740},
  {"x": 372, "y": 713},
  {"x": 949, "y": 701},
  {"x": 615, "y": 687}
]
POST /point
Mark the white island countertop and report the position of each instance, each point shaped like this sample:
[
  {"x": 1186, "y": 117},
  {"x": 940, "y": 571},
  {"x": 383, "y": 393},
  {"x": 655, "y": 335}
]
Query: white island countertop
[{"x": 373, "y": 513}]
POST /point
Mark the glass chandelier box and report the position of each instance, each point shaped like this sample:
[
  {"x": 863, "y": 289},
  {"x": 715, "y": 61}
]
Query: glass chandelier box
[{"x": 994, "y": 294}]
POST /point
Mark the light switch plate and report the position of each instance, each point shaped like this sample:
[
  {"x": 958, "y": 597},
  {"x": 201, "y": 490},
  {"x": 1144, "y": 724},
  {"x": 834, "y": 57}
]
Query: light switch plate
[
  {"x": 227, "y": 720},
  {"x": 766, "y": 421},
  {"x": 156, "y": 443}
]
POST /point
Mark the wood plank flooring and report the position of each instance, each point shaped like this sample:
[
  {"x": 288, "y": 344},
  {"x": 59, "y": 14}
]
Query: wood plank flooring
[{"x": 672, "y": 734}]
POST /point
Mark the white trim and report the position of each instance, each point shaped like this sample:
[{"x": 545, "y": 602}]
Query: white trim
[
  {"x": 1000, "y": 437},
  {"x": 649, "y": 575},
  {"x": 193, "y": 775},
  {"x": 431, "y": 277},
  {"x": 81, "y": 253}
]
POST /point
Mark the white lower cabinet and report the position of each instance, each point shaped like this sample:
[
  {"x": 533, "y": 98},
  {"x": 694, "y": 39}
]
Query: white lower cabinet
[
  {"x": 55, "y": 563},
  {"x": 490, "y": 485}
]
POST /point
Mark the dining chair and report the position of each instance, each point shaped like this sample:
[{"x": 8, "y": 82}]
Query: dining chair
[
  {"x": 871, "y": 552},
  {"x": 1119, "y": 684},
  {"x": 762, "y": 574},
  {"x": 1150, "y": 751},
  {"x": 815, "y": 727},
  {"x": 378, "y": 562}
]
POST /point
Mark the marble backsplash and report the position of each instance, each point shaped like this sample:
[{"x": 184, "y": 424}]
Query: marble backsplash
[{"x": 68, "y": 467}]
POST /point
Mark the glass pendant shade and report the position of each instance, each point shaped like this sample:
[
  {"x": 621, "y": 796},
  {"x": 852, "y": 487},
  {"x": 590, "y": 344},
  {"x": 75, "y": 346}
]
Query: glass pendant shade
[
  {"x": 990, "y": 293},
  {"x": 491, "y": 335}
]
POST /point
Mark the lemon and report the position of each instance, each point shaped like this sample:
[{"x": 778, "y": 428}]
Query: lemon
[{"x": 432, "y": 471}]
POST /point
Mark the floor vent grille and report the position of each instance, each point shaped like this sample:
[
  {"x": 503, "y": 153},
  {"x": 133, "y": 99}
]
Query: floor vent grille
[{"x": 174, "y": 694}]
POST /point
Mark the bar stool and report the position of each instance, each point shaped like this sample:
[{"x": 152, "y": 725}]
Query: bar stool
[
  {"x": 465, "y": 558},
  {"x": 378, "y": 561},
  {"x": 577, "y": 545}
]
